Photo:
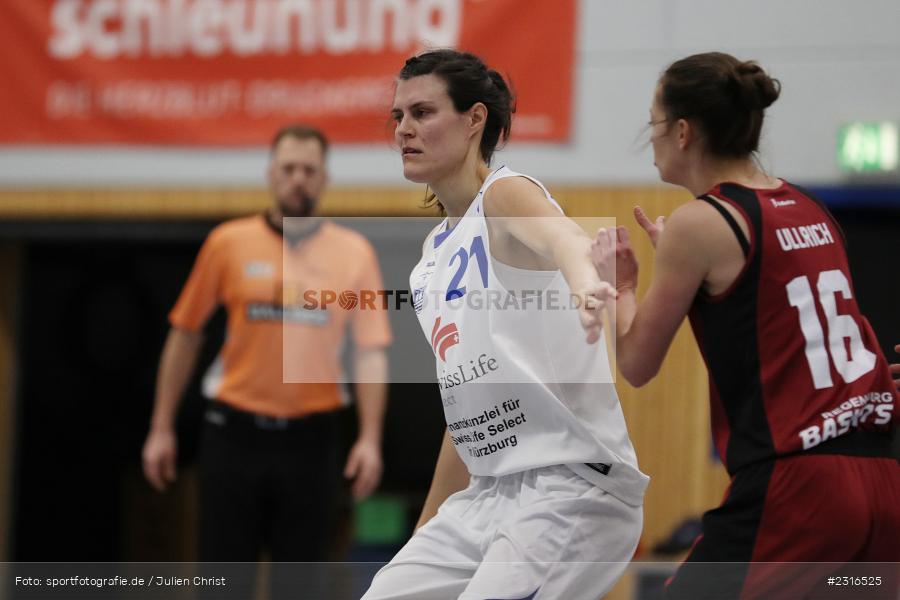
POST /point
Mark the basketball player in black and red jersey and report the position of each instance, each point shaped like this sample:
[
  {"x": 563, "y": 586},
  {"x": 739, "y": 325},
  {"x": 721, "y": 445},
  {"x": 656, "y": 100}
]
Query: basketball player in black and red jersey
[{"x": 802, "y": 401}]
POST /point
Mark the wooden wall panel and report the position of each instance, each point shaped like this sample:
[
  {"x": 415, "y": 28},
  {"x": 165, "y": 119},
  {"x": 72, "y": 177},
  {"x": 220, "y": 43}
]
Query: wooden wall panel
[{"x": 194, "y": 203}]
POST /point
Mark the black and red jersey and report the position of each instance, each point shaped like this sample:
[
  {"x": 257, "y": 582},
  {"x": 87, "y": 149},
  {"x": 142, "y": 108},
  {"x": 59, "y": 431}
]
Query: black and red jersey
[{"x": 793, "y": 363}]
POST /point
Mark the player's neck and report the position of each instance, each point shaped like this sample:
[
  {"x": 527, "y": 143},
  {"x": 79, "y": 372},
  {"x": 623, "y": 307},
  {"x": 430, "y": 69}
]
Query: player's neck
[
  {"x": 458, "y": 189},
  {"x": 743, "y": 171}
]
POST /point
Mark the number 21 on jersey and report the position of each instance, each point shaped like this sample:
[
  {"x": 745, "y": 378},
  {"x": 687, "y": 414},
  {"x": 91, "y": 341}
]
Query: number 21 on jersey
[
  {"x": 461, "y": 259},
  {"x": 850, "y": 365}
]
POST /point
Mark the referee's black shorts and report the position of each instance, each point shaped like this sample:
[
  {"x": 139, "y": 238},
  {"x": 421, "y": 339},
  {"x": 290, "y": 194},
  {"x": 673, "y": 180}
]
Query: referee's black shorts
[{"x": 267, "y": 483}]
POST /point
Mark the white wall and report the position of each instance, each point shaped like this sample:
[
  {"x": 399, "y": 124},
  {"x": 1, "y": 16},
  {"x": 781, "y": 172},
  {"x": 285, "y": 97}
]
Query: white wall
[{"x": 838, "y": 61}]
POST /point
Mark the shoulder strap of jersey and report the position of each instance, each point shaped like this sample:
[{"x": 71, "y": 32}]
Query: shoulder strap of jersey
[
  {"x": 504, "y": 172},
  {"x": 742, "y": 239}
]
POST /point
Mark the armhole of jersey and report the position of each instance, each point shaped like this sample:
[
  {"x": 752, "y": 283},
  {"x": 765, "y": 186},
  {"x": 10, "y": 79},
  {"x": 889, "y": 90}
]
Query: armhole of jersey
[
  {"x": 729, "y": 218},
  {"x": 742, "y": 240}
]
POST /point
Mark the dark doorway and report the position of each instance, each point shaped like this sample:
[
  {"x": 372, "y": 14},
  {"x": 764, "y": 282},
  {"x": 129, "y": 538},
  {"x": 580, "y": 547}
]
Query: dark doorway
[{"x": 93, "y": 322}]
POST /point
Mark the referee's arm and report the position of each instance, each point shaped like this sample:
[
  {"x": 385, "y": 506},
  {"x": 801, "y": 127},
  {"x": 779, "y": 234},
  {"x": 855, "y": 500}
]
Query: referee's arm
[
  {"x": 176, "y": 365},
  {"x": 364, "y": 464}
]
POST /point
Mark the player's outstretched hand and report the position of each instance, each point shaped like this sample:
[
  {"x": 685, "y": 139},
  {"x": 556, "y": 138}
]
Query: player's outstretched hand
[
  {"x": 591, "y": 299},
  {"x": 158, "y": 458},
  {"x": 614, "y": 258},
  {"x": 895, "y": 369},
  {"x": 364, "y": 467},
  {"x": 654, "y": 229}
]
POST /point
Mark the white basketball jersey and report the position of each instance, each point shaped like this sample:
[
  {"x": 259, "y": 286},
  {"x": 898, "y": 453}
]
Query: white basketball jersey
[{"x": 520, "y": 386}]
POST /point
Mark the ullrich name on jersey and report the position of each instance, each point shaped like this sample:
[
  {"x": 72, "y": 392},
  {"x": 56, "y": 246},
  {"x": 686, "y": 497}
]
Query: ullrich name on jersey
[{"x": 805, "y": 236}]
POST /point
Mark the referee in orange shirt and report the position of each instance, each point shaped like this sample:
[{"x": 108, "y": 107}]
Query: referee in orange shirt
[{"x": 269, "y": 445}]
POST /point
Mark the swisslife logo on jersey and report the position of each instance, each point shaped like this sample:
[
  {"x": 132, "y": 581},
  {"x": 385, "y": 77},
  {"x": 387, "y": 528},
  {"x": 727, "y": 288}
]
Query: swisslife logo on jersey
[{"x": 443, "y": 338}]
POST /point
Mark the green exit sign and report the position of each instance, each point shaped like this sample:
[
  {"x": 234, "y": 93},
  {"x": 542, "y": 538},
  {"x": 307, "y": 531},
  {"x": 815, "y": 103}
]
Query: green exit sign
[{"x": 868, "y": 147}]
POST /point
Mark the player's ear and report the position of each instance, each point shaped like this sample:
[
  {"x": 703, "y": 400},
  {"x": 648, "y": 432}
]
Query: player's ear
[
  {"x": 685, "y": 133},
  {"x": 477, "y": 116}
]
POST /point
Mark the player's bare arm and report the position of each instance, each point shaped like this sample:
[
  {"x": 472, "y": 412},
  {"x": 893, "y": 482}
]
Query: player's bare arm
[
  {"x": 552, "y": 237},
  {"x": 644, "y": 331}
]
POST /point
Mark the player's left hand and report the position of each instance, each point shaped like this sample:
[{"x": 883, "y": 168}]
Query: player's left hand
[
  {"x": 591, "y": 297},
  {"x": 364, "y": 467},
  {"x": 654, "y": 229},
  {"x": 614, "y": 259},
  {"x": 895, "y": 369}
]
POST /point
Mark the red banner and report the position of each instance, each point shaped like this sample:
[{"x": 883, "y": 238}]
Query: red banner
[{"x": 230, "y": 72}]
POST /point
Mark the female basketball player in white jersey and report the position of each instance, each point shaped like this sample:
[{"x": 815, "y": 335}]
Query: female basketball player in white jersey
[{"x": 536, "y": 492}]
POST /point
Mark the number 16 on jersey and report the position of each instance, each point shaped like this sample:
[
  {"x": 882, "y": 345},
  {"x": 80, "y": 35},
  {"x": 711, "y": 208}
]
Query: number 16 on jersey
[{"x": 852, "y": 363}]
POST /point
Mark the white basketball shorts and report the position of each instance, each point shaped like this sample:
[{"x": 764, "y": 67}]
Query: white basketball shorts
[{"x": 542, "y": 534}]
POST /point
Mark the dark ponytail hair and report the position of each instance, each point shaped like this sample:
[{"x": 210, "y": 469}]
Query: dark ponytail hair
[
  {"x": 725, "y": 97},
  {"x": 469, "y": 81}
]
